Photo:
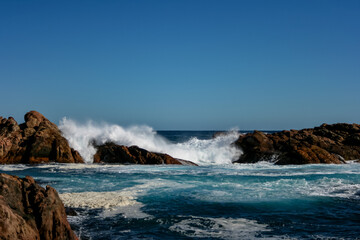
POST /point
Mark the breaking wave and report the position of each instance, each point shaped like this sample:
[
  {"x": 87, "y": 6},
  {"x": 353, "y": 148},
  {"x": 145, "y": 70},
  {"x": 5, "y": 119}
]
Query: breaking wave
[{"x": 217, "y": 150}]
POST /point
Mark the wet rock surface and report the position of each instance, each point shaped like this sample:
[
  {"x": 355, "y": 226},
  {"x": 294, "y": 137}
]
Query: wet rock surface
[{"x": 113, "y": 153}]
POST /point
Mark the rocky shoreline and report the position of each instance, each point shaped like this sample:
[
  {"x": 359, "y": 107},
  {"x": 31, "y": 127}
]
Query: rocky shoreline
[
  {"x": 28, "y": 211},
  {"x": 335, "y": 144},
  {"x": 38, "y": 140}
]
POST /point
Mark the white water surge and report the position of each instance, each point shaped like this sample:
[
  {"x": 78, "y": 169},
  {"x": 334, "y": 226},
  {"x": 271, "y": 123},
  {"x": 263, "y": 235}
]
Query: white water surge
[{"x": 212, "y": 151}]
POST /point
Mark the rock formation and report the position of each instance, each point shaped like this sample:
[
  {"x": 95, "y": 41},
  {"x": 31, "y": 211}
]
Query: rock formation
[
  {"x": 113, "y": 153},
  {"x": 325, "y": 144},
  {"x": 28, "y": 211},
  {"x": 36, "y": 141}
]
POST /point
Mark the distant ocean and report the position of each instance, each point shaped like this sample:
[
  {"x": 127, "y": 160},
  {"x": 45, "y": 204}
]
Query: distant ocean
[
  {"x": 216, "y": 200},
  {"x": 184, "y": 136}
]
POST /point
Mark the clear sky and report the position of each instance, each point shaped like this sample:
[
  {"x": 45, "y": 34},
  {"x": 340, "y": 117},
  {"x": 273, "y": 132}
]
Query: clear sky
[{"x": 187, "y": 64}]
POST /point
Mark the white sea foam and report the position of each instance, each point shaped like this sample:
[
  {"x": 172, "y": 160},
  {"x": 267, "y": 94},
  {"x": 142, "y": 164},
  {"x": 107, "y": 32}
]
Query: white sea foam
[
  {"x": 112, "y": 203},
  {"x": 327, "y": 187},
  {"x": 224, "y": 228},
  {"x": 331, "y": 187},
  {"x": 273, "y": 189},
  {"x": 212, "y": 151},
  {"x": 70, "y": 166},
  {"x": 116, "y": 202},
  {"x": 130, "y": 211},
  {"x": 97, "y": 199},
  {"x": 13, "y": 167}
]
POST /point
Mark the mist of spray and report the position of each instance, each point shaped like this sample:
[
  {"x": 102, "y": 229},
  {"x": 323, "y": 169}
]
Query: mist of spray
[{"x": 218, "y": 150}]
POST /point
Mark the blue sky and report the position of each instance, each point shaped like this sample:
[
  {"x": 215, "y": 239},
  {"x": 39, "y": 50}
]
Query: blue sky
[{"x": 182, "y": 64}]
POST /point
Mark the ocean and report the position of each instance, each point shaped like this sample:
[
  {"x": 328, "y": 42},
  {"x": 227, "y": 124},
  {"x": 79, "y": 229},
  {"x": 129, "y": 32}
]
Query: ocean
[{"x": 215, "y": 200}]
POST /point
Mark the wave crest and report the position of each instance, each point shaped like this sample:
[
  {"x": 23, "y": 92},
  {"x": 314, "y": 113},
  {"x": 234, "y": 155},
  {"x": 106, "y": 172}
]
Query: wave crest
[{"x": 218, "y": 150}]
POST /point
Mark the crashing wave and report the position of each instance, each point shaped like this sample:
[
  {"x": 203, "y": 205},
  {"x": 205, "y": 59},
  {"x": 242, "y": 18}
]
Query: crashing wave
[{"x": 218, "y": 150}]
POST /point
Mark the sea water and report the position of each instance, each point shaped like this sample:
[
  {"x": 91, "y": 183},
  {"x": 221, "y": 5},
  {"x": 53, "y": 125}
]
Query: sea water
[{"x": 215, "y": 200}]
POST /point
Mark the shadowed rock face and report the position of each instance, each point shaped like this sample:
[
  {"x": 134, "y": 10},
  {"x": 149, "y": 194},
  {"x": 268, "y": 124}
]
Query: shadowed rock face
[
  {"x": 113, "y": 153},
  {"x": 325, "y": 144},
  {"x": 36, "y": 141},
  {"x": 28, "y": 211}
]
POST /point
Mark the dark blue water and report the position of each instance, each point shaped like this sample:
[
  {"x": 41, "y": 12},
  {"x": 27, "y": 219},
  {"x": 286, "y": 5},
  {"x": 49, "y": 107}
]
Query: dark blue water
[
  {"x": 183, "y": 136},
  {"x": 226, "y": 201}
]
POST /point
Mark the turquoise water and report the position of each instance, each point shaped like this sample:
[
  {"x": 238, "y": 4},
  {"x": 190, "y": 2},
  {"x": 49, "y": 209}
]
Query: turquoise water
[
  {"x": 216, "y": 200},
  {"x": 254, "y": 201}
]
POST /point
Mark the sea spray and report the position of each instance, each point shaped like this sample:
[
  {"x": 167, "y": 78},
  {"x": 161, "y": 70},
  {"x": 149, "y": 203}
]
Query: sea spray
[{"x": 218, "y": 150}]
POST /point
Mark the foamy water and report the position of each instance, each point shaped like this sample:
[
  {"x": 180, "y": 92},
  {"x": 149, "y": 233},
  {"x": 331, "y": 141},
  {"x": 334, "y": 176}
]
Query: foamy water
[
  {"x": 96, "y": 199},
  {"x": 237, "y": 201},
  {"x": 217, "y": 200},
  {"x": 221, "y": 228},
  {"x": 204, "y": 152}
]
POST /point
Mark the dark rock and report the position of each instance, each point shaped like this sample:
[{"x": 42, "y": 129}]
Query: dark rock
[
  {"x": 113, "y": 153},
  {"x": 28, "y": 211},
  {"x": 325, "y": 144},
  {"x": 36, "y": 141},
  {"x": 185, "y": 162},
  {"x": 70, "y": 211}
]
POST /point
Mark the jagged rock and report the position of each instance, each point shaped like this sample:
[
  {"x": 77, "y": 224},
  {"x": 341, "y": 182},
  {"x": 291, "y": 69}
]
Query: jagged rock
[
  {"x": 28, "y": 211},
  {"x": 325, "y": 144},
  {"x": 113, "y": 153},
  {"x": 36, "y": 141}
]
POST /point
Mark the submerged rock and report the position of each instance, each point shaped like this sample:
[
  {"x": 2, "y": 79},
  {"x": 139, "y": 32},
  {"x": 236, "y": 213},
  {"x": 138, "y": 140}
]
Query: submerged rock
[
  {"x": 70, "y": 211},
  {"x": 325, "y": 144},
  {"x": 36, "y": 141},
  {"x": 113, "y": 153},
  {"x": 28, "y": 211}
]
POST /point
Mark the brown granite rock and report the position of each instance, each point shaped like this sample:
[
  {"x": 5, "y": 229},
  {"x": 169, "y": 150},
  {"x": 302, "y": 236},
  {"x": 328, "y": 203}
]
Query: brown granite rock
[
  {"x": 36, "y": 141},
  {"x": 113, "y": 153},
  {"x": 325, "y": 144},
  {"x": 28, "y": 211}
]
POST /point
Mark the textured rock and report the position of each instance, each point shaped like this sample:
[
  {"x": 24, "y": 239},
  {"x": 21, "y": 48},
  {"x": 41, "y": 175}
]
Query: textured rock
[
  {"x": 28, "y": 211},
  {"x": 325, "y": 144},
  {"x": 36, "y": 141},
  {"x": 113, "y": 153}
]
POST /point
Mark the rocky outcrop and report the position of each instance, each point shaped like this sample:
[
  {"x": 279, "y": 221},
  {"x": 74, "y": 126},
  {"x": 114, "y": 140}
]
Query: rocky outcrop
[
  {"x": 325, "y": 144},
  {"x": 113, "y": 153},
  {"x": 36, "y": 141},
  {"x": 28, "y": 211}
]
